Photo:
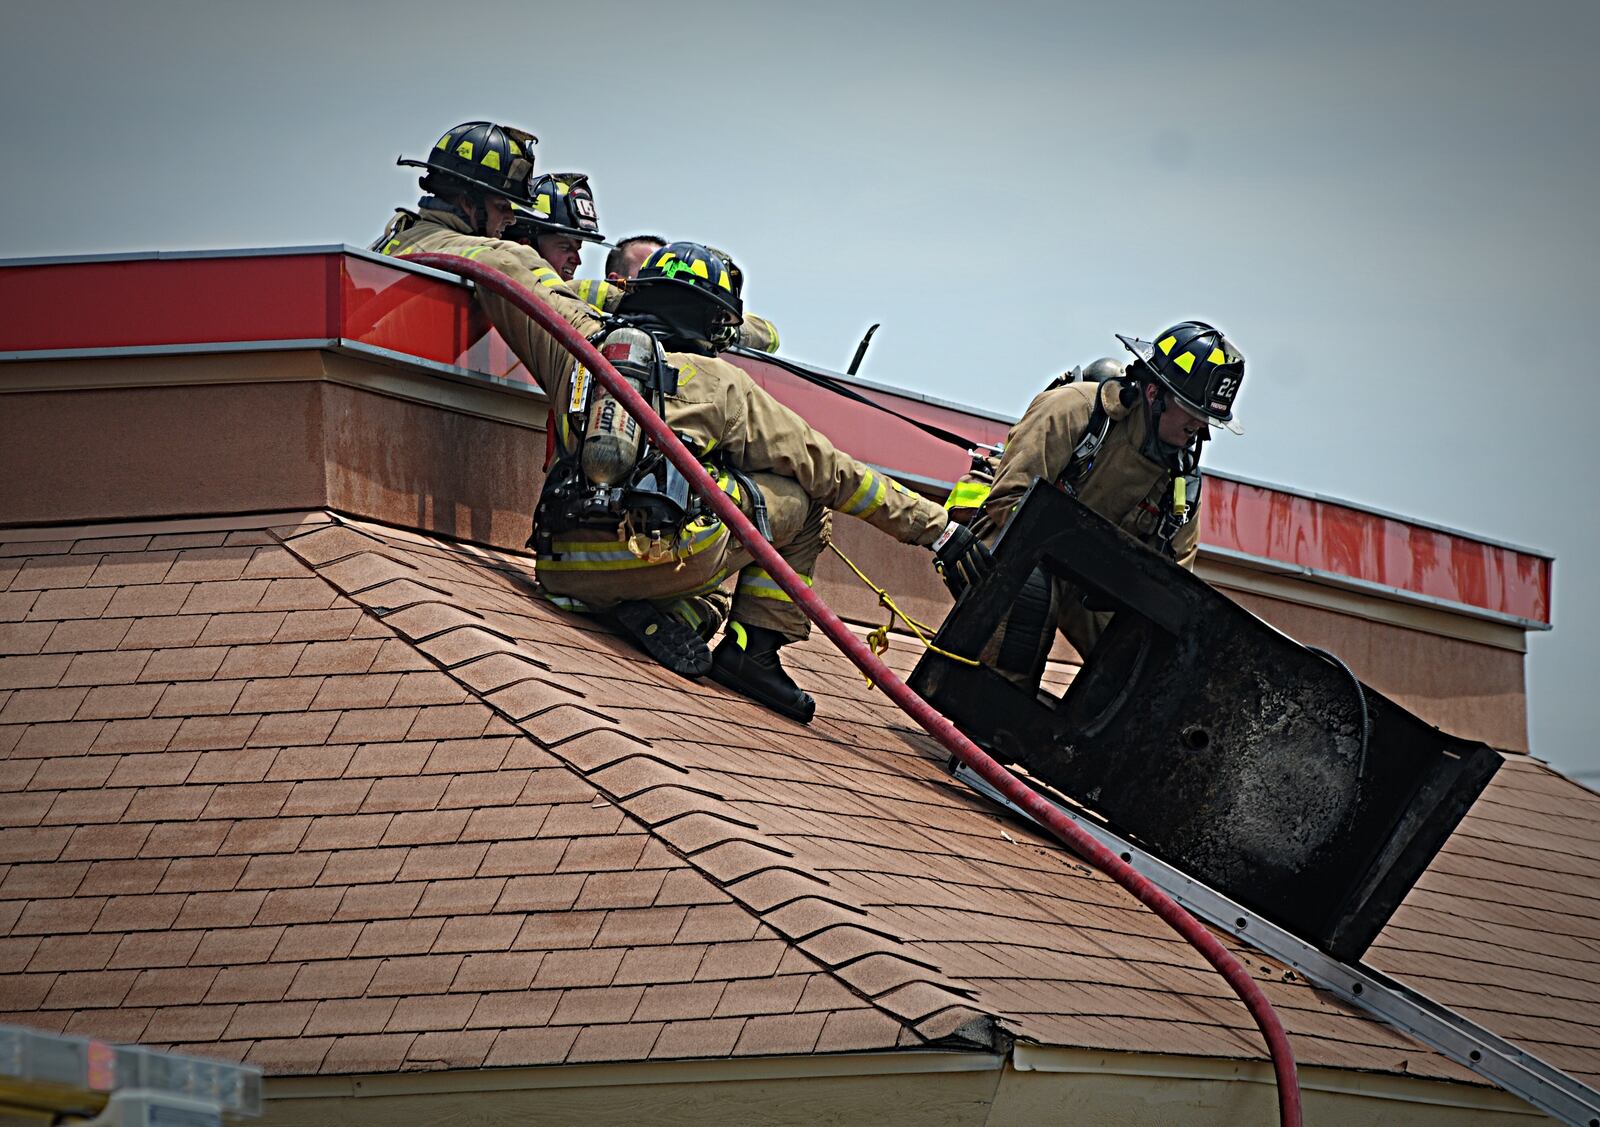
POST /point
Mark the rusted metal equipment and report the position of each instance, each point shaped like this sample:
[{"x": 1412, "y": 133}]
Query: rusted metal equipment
[{"x": 1258, "y": 766}]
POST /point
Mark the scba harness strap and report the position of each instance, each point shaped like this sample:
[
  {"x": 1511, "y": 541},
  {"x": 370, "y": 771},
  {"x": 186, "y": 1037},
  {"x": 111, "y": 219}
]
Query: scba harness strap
[
  {"x": 650, "y": 508},
  {"x": 1180, "y": 500}
]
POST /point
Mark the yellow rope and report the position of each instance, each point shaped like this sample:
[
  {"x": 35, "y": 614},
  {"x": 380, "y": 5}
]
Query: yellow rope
[{"x": 878, "y": 640}]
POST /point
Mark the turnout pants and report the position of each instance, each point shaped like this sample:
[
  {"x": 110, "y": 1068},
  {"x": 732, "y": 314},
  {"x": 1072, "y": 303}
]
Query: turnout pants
[{"x": 594, "y": 571}]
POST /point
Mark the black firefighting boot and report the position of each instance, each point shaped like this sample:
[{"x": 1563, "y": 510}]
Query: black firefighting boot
[
  {"x": 746, "y": 661},
  {"x": 670, "y": 640}
]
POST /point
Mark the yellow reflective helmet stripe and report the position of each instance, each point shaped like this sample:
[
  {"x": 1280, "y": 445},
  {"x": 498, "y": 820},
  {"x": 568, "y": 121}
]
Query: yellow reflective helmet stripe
[
  {"x": 1185, "y": 361},
  {"x": 491, "y": 159},
  {"x": 1166, "y": 344},
  {"x": 464, "y": 150},
  {"x": 968, "y": 495},
  {"x": 1217, "y": 357}
]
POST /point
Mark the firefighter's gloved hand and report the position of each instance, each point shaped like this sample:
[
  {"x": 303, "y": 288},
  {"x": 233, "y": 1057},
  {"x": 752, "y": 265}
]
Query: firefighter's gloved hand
[{"x": 960, "y": 558}]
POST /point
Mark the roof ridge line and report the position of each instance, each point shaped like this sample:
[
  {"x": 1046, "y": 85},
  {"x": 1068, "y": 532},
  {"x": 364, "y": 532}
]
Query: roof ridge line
[{"x": 936, "y": 1012}]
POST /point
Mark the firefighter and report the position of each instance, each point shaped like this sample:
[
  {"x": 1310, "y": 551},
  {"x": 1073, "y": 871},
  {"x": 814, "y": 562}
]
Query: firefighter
[
  {"x": 472, "y": 177},
  {"x": 654, "y": 548},
  {"x": 754, "y": 332},
  {"x": 1128, "y": 447},
  {"x": 623, "y": 263},
  {"x": 561, "y": 220}
]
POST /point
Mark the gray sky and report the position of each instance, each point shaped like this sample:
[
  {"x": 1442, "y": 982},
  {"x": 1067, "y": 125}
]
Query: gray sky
[{"x": 1388, "y": 206}]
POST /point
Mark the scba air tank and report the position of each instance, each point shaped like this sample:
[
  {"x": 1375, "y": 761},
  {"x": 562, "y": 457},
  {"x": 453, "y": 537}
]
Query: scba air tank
[{"x": 611, "y": 440}]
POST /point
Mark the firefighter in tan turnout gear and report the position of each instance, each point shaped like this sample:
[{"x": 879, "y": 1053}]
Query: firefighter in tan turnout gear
[
  {"x": 1129, "y": 448},
  {"x": 617, "y": 529},
  {"x": 473, "y": 176}
]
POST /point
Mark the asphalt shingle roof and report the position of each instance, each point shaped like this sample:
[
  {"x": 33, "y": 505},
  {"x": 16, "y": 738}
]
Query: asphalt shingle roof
[{"x": 333, "y": 797}]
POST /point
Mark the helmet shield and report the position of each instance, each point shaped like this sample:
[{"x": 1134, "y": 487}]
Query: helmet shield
[
  {"x": 561, "y": 203},
  {"x": 1199, "y": 367}
]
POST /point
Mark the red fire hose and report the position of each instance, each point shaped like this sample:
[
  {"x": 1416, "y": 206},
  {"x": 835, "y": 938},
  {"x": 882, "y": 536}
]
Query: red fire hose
[{"x": 914, "y": 706}]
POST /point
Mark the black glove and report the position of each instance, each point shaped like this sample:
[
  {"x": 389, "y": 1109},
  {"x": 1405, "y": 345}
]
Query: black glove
[{"x": 960, "y": 558}]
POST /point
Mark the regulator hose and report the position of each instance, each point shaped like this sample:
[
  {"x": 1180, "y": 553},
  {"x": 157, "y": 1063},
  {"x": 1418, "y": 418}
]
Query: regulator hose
[{"x": 931, "y": 721}]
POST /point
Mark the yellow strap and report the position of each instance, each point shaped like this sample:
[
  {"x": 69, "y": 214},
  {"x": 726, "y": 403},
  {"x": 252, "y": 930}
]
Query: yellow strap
[
  {"x": 968, "y": 495},
  {"x": 878, "y": 640}
]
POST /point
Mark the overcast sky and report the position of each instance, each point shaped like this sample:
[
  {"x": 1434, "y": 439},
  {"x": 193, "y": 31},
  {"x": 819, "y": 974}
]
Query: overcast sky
[{"x": 1388, "y": 206}]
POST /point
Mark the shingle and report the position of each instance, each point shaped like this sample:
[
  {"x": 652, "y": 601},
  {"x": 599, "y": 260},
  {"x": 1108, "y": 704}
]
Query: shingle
[
  {"x": 362, "y": 866},
  {"x": 380, "y": 901},
  {"x": 621, "y": 890},
  {"x": 296, "y": 870},
  {"x": 148, "y": 601},
  {"x": 109, "y": 702},
  {"x": 420, "y": 793},
  {"x": 512, "y": 1008},
  {"x": 84, "y": 843},
  {"x": 149, "y": 949},
  {"x": 195, "y": 565},
  {"x": 59, "y": 953},
  {"x": 325, "y": 796},
  {"x": 246, "y": 800},
  {"x": 25, "y": 881},
  {"x": 368, "y": 690},
  {"x": 72, "y": 774},
  {"x": 497, "y": 971},
  {"x": 577, "y": 968},
  {"x": 135, "y": 735},
  {"x": 529, "y": 858},
  {"x": 857, "y": 1031},
  {"x": 278, "y": 694},
  {"x": 203, "y": 874},
  {"x": 414, "y": 974},
  {"x": 294, "y": 1056},
  {"x": 31, "y": 706},
  {"x": 245, "y": 662},
  {"x": 24, "y": 637},
  {"x": 153, "y": 633},
  {"x": 422, "y": 1013},
  {"x": 614, "y": 1042},
  {"x": 477, "y": 933},
  {"x": 176, "y": 987},
  {"x": 318, "y": 625},
  {"x": 243, "y": 628},
  {"x": 316, "y": 941},
  {"x": 372, "y": 726},
  {"x": 289, "y": 729},
  {"x": 89, "y": 990},
  {"x": 373, "y": 1053},
  {"x": 69, "y": 603},
  {"x": 69, "y": 738},
  {"x": 166, "y": 769},
  {"x": 298, "y": 905},
  {"x": 321, "y": 761},
  {"x": 267, "y": 983},
  {"x": 112, "y": 667},
  {"x": 397, "y": 937},
  {"x": 349, "y": 1015},
  {"x": 188, "y": 1023},
  {"x": 343, "y": 978},
  {"x": 677, "y": 963},
  {"x": 280, "y": 1019},
  {"x": 36, "y": 671},
  {"x": 220, "y": 909},
  {"x": 121, "y": 1024},
  {"x": 208, "y": 733},
  {"x": 148, "y": 912},
  {"x": 456, "y": 1049},
  {"x": 531, "y": 1046}
]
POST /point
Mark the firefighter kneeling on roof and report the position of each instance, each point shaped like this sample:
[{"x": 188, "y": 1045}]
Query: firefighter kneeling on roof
[
  {"x": 1129, "y": 448},
  {"x": 617, "y": 529}
]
